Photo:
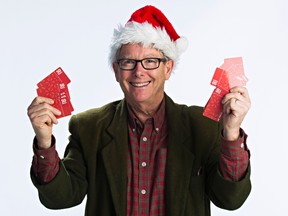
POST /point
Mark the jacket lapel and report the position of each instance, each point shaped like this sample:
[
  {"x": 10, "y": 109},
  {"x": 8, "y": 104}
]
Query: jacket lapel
[
  {"x": 179, "y": 160},
  {"x": 114, "y": 157}
]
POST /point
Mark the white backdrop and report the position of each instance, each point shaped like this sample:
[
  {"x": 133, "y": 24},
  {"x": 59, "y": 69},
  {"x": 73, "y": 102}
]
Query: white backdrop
[{"x": 37, "y": 36}]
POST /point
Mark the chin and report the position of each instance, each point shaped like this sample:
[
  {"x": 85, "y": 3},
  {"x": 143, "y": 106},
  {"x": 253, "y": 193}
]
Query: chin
[{"x": 140, "y": 98}]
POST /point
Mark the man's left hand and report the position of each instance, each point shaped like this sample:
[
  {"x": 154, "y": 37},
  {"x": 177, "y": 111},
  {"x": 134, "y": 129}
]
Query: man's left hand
[{"x": 235, "y": 107}]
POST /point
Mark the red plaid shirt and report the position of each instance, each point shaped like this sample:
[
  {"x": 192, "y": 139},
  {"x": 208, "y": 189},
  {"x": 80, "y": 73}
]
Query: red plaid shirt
[{"x": 146, "y": 159}]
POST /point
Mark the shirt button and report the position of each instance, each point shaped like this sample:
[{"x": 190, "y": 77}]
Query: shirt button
[
  {"x": 143, "y": 164},
  {"x": 133, "y": 129},
  {"x": 143, "y": 192},
  {"x": 157, "y": 129},
  {"x": 144, "y": 139},
  {"x": 242, "y": 145},
  {"x": 42, "y": 156}
]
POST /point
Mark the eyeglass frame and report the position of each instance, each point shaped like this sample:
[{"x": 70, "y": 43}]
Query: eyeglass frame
[{"x": 165, "y": 59}]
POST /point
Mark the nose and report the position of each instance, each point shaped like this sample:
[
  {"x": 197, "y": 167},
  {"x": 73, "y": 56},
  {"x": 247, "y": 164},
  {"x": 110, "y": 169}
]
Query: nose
[{"x": 138, "y": 70}]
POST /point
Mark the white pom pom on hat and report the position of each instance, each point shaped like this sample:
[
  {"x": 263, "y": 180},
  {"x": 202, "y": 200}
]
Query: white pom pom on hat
[{"x": 150, "y": 27}]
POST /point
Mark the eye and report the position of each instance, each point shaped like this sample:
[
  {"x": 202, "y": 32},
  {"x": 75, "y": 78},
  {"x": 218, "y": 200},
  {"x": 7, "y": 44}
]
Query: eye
[
  {"x": 150, "y": 61},
  {"x": 127, "y": 61}
]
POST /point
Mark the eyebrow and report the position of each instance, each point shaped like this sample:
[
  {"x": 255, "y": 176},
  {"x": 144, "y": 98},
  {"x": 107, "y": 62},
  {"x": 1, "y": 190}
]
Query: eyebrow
[{"x": 150, "y": 55}]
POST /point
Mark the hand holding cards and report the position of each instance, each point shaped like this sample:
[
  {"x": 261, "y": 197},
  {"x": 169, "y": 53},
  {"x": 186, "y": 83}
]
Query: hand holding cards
[
  {"x": 54, "y": 86},
  {"x": 230, "y": 74}
]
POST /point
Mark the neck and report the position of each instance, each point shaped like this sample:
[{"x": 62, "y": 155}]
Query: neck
[{"x": 144, "y": 112}]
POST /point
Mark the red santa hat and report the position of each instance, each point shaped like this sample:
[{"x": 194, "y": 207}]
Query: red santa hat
[{"x": 150, "y": 27}]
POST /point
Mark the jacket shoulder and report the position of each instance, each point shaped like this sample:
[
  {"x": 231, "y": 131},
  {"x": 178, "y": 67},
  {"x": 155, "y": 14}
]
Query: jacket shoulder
[
  {"x": 195, "y": 114},
  {"x": 96, "y": 117},
  {"x": 191, "y": 116}
]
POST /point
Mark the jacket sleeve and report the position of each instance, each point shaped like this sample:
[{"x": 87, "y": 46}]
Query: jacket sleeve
[
  {"x": 222, "y": 192},
  {"x": 69, "y": 186}
]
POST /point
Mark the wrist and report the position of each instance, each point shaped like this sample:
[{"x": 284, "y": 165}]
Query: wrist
[
  {"x": 43, "y": 144},
  {"x": 231, "y": 135}
]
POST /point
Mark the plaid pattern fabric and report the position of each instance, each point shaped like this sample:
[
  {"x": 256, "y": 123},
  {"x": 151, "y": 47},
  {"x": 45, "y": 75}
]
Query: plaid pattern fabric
[
  {"x": 234, "y": 158},
  {"x": 45, "y": 164},
  {"x": 146, "y": 160}
]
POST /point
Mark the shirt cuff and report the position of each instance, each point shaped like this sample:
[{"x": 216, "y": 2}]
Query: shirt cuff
[
  {"x": 232, "y": 149},
  {"x": 45, "y": 164},
  {"x": 47, "y": 154}
]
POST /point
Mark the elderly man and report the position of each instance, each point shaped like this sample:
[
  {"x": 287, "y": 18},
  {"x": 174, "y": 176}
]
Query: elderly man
[{"x": 144, "y": 154}]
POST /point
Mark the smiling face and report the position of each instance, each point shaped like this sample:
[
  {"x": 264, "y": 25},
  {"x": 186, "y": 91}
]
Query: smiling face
[{"x": 140, "y": 86}]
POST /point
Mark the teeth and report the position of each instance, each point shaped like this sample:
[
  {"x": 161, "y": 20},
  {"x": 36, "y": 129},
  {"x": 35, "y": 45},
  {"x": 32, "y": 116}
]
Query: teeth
[{"x": 140, "y": 84}]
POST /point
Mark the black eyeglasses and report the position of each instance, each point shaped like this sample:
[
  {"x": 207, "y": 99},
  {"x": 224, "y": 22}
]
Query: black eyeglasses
[{"x": 147, "y": 63}]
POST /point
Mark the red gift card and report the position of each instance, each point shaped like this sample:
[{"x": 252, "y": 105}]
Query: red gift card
[
  {"x": 220, "y": 79},
  {"x": 54, "y": 86},
  {"x": 57, "y": 76},
  {"x": 213, "y": 108},
  {"x": 61, "y": 100},
  {"x": 234, "y": 70},
  {"x": 51, "y": 83},
  {"x": 61, "y": 74}
]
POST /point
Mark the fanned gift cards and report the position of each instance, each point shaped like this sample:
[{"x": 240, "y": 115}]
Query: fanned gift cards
[
  {"x": 230, "y": 74},
  {"x": 54, "y": 86}
]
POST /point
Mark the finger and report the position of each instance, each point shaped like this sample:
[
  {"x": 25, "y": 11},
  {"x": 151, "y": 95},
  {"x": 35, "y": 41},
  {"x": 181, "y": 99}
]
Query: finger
[
  {"x": 43, "y": 116},
  {"x": 243, "y": 97},
  {"x": 45, "y": 108},
  {"x": 239, "y": 93},
  {"x": 240, "y": 107},
  {"x": 232, "y": 96},
  {"x": 238, "y": 89},
  {"x": 238, "y": 102},
  {"x": 39, "y": 100},
  {"x": 40, "y": 109},
  {"x": 242, "y": 103},
  {"x": 236, "y": 107},
  {"x": 229, "y": 106},
  {"x": 40, "y": 103},
  {"x": 34, "y": 106},
  {"x": 241, "y": 90},
  {"x": 42, "y": 120}
]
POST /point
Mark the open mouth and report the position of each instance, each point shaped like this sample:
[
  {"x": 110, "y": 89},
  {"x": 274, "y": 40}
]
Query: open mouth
[{"x": 140, "y": 84}]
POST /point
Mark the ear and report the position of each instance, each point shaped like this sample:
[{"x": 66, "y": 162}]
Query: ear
[
  {"x": 116, "y": 71},
  {"x": 168, "y": 67}
]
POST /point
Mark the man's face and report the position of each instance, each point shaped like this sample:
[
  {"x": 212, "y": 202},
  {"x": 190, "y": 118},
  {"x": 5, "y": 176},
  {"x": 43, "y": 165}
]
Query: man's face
[{"x": 141, "y": 86}]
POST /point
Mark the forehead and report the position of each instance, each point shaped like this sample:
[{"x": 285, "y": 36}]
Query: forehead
[{"x": 130, "y": 50}]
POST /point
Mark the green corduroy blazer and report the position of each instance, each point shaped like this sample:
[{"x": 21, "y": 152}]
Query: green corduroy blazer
[{"x": 94, "y": 164}]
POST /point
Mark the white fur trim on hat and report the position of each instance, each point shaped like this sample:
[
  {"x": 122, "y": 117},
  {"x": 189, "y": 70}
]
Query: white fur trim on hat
[{"x": 148, "y": 36}]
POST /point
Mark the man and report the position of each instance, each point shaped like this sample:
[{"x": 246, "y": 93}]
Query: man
[{"x": 145, "y": 154}]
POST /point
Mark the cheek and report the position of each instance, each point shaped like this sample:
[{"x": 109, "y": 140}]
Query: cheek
[{"x": 122, "y": 80}]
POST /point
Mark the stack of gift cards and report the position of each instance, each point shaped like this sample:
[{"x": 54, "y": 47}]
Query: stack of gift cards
[
  {"x": 54, "y": 86},
  {"x": 230, "y": 74}
]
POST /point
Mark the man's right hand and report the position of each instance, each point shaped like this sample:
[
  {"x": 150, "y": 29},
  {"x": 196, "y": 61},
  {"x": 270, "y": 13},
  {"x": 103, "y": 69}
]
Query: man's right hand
[{"x": 42, "y": 116}]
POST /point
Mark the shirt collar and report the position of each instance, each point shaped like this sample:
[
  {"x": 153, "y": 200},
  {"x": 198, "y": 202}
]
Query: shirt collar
[{"x": 157, "y": 118}]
